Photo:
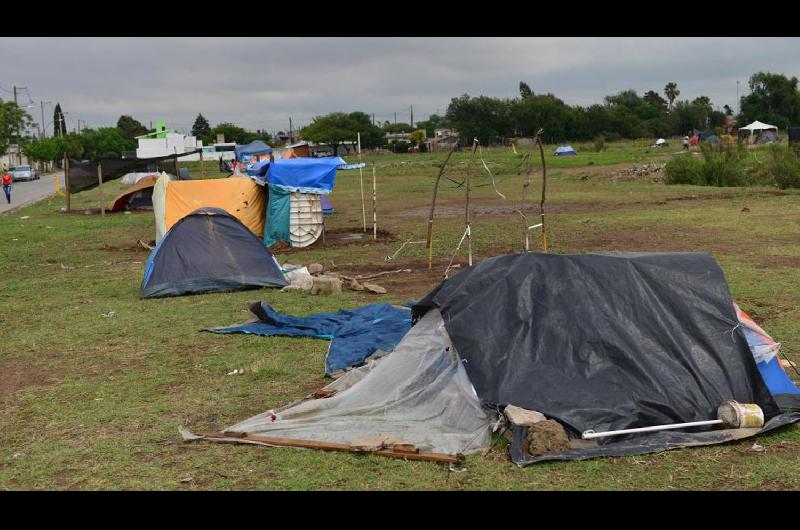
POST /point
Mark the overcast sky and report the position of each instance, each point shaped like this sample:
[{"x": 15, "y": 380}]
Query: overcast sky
[{"x": 259, "y": 83}]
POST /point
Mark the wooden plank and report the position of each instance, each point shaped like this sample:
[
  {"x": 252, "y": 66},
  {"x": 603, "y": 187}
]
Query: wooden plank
[{"x": 401, "y": 452}]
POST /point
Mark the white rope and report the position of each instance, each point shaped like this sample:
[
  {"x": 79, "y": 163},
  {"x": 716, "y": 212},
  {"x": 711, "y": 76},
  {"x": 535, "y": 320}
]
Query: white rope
[{"x": 449, "y": 265}]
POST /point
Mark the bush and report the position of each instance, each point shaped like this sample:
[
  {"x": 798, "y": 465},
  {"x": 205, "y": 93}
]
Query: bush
[
  {"x": 599, "y": 143},
  {"x": 400, "y": 147},
  {"x": 784, "y": 167},
  {"x": 684, "y": 170}
]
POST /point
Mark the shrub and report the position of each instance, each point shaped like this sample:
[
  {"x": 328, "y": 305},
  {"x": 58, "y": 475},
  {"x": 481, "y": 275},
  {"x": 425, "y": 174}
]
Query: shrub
[
  {"x": 784, "y": 167},
  {"x": 599, "y": 143},
  {"x": 684, "y": 170}
]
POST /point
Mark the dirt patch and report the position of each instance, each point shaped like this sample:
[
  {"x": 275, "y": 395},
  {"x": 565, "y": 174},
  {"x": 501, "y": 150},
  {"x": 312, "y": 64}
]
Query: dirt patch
[
  {"x": 130, "y": 247},
  {"x": 729, "y": 195},
  {"x": 405, "y": 286},
  {"x": 354, "y": 236},
  {"x": 19, "y": 373},
  {"x": 778, "y": 262},
  {"x": 455, "y": 208}
]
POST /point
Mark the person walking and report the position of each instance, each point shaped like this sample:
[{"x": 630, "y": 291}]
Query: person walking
[
  {"x": 7, "y": 185},
  {"x": 686, "y": 142}
]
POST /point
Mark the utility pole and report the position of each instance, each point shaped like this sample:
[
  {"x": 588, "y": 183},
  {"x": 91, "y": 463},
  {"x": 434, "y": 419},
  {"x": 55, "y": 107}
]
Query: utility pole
[
  {"x": 44, "y": 133},
  {"x": 373, "y": 119},
  {"x": 395, "y": 118},
  {"x": 291, "y": 136},
  {"x": 738, "y": 101},
  {"x": 412, "y": 116}
]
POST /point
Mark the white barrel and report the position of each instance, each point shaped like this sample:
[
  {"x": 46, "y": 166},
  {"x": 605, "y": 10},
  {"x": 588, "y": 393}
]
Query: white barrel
[{"x": 305, "y": 219}]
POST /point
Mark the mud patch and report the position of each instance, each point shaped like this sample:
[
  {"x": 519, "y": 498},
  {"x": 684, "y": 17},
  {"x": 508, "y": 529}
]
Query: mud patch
[
  {"x": 19, "y": 373},
  {"x": 339, "y": 237},
  {"x": 504, "y": 210},
  {"x": 778, "y": 262}
]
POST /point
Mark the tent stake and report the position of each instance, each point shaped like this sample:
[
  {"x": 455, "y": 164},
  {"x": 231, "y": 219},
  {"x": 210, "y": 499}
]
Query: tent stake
[{"x": 429, "y": 242}]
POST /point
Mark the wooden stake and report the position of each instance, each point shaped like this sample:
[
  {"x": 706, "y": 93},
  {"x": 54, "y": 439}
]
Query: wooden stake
[
  {"x": 429, "y": 242},
  {"x": 404, "y": 453},
  {"x": 361, "y": 178},
  {"x": 374, "y": 205},
  {"x": 202, "y": 165},
  {"x": 66, "y": 182},
  {"x": 175, "y": 161},
  {"x": 466, "y": 209},
  {"x": 544, "y": 189},
  {"x": 100, "y": 185},
  {"x": 526, "y": 243}
]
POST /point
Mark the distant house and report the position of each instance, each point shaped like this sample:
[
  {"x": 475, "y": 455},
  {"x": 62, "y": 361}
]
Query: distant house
[
  {"x": 442, "y": 140},
  {"x": 14, "y": 157},
  {"x": 397, "y": 137}
]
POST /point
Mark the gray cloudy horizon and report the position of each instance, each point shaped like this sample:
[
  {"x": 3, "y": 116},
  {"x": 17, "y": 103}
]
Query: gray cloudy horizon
[{"x": 258, "y": 83}]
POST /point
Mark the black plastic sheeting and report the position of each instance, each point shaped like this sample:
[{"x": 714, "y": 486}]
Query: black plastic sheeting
[
  {"x": 83, "y": 173},
  {"x": 602, "y": 341},
  {"x": 207, "y": 251}
]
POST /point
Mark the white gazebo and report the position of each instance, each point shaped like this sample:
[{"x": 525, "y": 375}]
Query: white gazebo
[{"x": 756, "y": 127}]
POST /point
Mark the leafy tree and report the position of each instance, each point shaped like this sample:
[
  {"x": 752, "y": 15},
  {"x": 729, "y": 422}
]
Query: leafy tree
[
  {"x": 524, "y": 90},
  {"x": 336, "y": 128},
  {"x": 773, "y": 98},
  {"x": 130, "y": 128},
  {"x": 417, "y": 137},
  {"x": 397, "y": 128},
  {"x": 651, "y": 97},
  {"x": 13, "y": 120},
  {"x": 201, "y": 127},
  {"x": 485, "y": 118},
  {"x": 105, "y": 141},
  {"x": 59, "y": 124},
  {"x": 672, "y": 92},
  {"x": 233, "y": 133},
  {"x": 433, "y": 122}
]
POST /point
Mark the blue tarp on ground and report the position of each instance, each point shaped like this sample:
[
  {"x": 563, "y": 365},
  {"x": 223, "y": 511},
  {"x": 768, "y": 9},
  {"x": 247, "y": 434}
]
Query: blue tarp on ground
[
  {"x": 306, "y": 175},
  {"x": 355, "y": 333},
  {"x": 253, "y": 148}
]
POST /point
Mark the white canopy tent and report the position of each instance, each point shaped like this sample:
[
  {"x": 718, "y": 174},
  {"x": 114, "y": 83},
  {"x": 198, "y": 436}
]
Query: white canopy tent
[{"x": 757, "y": 127}]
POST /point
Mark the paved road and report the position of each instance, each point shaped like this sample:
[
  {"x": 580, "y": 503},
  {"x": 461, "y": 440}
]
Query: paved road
[{"x": 23, "y": 193}]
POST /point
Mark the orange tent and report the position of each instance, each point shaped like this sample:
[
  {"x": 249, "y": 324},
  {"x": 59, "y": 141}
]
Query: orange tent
[
  {"x": 119, "y": 203},
  {"x": 239, "y": 196}
]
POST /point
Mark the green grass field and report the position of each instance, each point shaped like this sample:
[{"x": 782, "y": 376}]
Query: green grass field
[{"x": 94, "y": 402}]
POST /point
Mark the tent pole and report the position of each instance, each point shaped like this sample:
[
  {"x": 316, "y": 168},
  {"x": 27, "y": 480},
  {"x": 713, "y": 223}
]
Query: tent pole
[
  {"x": 544, "y": 189},
  {"x": 66, "y": 182},
  {"x": 374, "y": 205},
  {"x": 361, "y": 178},
  {"x": 100, "y": 185},
  {"x": 466, "y": 209}
]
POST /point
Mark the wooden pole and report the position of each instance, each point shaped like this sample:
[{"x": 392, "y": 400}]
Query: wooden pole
[
  {"x": 66, "y": 182},
  {"x": 466, "y": 209},
  {"x": 361, "y": 177},
  {"x": 544, "y": 190},
  {"x": 100, "y": 185},
  {"x": 175, "y": 161},
  {"x": 406, "y": 454},
  {"x": 526, "y": 244},
  {"x": 202, "y": 165},
  {"x": 429, "y": 242},
  {"x": 374, "y": 205}
]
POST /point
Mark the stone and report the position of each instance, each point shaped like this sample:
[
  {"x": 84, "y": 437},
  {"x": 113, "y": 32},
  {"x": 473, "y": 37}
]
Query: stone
[
  {"x": 545, "y": 437},
  {"x": 326, "y": 285},
  {"x": 315, "y": 268},
  {"x": 523, "y": 417},
  {"x": 374, "y": 288}
]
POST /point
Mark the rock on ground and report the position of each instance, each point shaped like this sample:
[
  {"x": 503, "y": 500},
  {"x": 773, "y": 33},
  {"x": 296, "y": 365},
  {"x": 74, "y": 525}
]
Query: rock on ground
[
  {"x": 326, "y": 285},
  {"x": 523, "y": 417}
]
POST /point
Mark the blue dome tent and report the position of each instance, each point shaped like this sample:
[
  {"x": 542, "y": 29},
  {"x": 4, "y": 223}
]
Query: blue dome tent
[
  {"x": 565, "y": 150},
  {"x": 209, "y": 251}
]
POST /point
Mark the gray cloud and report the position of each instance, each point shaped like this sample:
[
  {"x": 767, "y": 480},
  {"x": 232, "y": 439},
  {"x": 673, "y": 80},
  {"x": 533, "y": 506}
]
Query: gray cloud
[{"x": 260, "y": 82}]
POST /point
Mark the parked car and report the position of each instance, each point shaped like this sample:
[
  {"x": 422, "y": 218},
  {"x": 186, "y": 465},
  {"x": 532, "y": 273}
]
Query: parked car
[{"x": 23, "y": 173}]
